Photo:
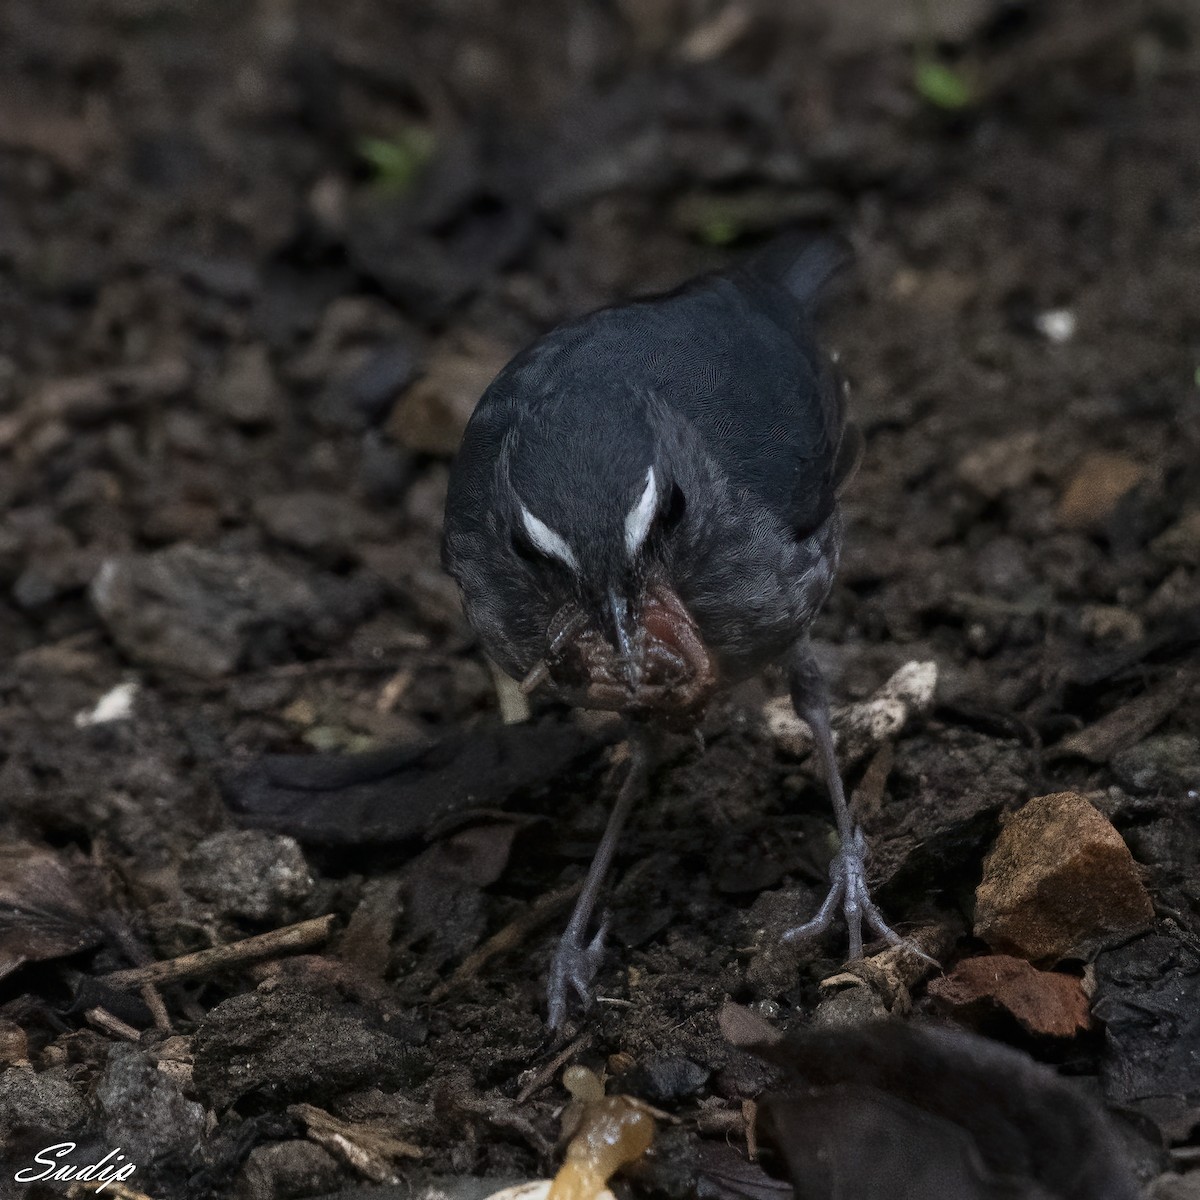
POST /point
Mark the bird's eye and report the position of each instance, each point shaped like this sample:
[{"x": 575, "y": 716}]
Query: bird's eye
[
  {"x": 676, "y": 507},
  {"x": 525, "y": 550}
]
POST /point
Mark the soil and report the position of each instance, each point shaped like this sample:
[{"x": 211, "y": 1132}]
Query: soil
[{"x": 257, "y": 261}]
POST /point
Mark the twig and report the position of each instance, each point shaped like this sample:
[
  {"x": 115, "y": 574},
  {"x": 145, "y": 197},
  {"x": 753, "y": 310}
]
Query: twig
[
  {"x": 508, "y": 938},
  {"x": 103, "y": 1019},
  {"x": 113, "y": 1189},
  {"x": 154, "y": 1002},
  {"x": 546, "y": 1073},
  {"x": 206, "y": 962}
]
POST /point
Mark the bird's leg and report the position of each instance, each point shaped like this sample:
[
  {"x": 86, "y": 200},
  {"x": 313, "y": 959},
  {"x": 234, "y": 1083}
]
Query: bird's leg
[
  {"x": 848, "y": 870},
  {"x": 576, "y": 960}
]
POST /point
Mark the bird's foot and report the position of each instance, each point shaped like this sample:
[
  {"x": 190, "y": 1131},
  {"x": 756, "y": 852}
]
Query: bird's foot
[
  {"x": 572, "y": 969},
  {"x": 848, "y": 888}
]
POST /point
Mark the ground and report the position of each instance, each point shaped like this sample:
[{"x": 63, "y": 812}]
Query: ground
[{"x": 257, "y": 262}]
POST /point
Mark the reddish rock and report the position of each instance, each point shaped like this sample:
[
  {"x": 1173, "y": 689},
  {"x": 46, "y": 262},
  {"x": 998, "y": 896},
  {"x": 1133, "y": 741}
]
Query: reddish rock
[
  {"x": 1044, "y": 1002},
  {"x": 1059, "y": 883}
]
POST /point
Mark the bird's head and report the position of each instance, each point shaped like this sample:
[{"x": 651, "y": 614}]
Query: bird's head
[
  {"x": 567, "y": 561},
  {"x": 596, "y": 539}
]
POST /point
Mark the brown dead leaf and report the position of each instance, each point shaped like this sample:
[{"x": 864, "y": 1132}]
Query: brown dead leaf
[
  {"x": 46, "y": 910},
  {"x": 367, "y": 939}
]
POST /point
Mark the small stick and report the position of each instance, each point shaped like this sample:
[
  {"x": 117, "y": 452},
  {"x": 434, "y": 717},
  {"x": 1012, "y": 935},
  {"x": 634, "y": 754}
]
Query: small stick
[
  {"x": 103, "y": 1019},
  {"x": 750, "y": 1116},
  {"x": 546, "y": 1073},
  {"x": 206, "y": 962},
  {"x": 512, "y": 935},
  {"x": 154, "y": 1002},
  {"x": 112, "y": 1188}
]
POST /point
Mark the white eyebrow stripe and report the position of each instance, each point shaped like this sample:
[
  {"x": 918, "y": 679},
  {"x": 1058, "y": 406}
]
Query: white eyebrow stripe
[
  {"x": 637, "y": 522},
  {"x": 547, "y": 541}
]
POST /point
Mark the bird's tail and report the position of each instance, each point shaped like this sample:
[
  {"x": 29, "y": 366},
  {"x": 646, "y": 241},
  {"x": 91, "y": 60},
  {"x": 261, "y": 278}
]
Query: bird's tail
[{"x": 802, "y": 264}]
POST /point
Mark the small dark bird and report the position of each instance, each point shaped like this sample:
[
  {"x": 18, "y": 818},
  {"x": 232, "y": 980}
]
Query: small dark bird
[{"x": 644, "y": 509}]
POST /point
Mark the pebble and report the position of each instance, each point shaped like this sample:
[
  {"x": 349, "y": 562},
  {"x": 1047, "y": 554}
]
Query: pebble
[
  {"x": 1112, "y": 623},
  {"x": 1099, "y": 484},
  {"x": 1059, "y": 883},
  {"x": 197, "y": 610},
  {"x": 27, "y": 1098},
  {"x": 1180, "y": 544},
  {"x": 1000, "y": 465},
  {"x": 249, "y": 873},
  {"x": 664, "y": 1078},
  {"x": 318, "y": 523},
  {"x": 247, "y": 391},
  {"x": 144, "y": 1111},
  {"x": 433, "y": 412},
  {"x": 1169, "y": 760},
  {"x": 847, "y": 1007},
  {"x": 366, "y": 386},
  {"x": 74, "y": 398},
  {"x": 1175, "y": 1187},
  {"x": 295, "y": 1168},
  {"x": 1056, "y": 324}
]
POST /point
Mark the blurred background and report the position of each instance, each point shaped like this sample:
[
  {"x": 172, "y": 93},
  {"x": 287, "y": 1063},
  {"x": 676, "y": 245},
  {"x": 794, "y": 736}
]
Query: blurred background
[{"x": 257, "y": 262}]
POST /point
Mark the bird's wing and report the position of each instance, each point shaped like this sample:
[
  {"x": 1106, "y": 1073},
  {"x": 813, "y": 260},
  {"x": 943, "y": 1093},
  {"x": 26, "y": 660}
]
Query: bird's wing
[{"x": 736, "y": 354}]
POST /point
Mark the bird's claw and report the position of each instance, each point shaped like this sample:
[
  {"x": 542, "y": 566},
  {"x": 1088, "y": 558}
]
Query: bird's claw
[
  {"x": 572, "y": 969},
  {"x": 848, "y": 888}
]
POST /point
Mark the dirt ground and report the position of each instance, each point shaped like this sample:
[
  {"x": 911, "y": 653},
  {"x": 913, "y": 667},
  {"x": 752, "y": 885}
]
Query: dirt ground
[{"x": 258, "y": 260}]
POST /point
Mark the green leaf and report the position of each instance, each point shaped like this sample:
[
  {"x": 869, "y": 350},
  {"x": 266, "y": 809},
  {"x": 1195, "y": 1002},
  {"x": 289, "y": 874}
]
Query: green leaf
[
  {"x": 397, "y": 162},
  {"x": 942, "y": 85},
  {"x": 720, "y": 231}
]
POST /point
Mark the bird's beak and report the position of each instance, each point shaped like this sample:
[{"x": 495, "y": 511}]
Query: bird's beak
[{"x": 624, "y": 632}]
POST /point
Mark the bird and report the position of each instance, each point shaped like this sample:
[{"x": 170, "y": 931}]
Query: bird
[{"x": 644, "y": 510}]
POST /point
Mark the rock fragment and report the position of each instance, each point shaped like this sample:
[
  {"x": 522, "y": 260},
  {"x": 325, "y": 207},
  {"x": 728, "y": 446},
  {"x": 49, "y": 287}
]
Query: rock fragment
[
  {"x": 286, "y": 1042},
  {"x": 1147, "y": 996},
  {"x": 1097, "y": 487},
  {"x": 433, "y": 412},
  {"x": 295, "y": 1168},
  {"x": 1180, "y": 544},
  {"x": 1000, "y": 465},
  {"x": 249, "y": 873},
  {"x": 319, "y": 523},
  {"x": 1059, "y": 883},
  {"x": 144, "y": 1111},
  {"x": 195, "y": 610},
  {"x": 43, "y": 1101},
  {"x": 1166, "y": 761},
  {"x": 1044, "y": 1003},
  {"x": 247, "y": 393}
]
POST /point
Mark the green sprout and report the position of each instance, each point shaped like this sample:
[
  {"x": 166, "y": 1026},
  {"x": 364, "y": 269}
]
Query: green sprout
[
  {"x": 720, "y": 231},
  {"x": 935, "y": 80},
  {"x": 398, "y": 161},
  {"x": 941, "y": 84}
]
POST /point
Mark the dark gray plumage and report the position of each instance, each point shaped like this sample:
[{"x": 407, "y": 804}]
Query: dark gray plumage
[
  {"x": 720, "y": 388},
  {"x": 644, "y": 508}
]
